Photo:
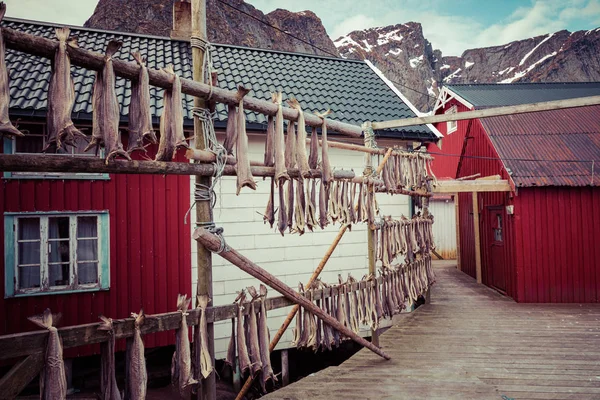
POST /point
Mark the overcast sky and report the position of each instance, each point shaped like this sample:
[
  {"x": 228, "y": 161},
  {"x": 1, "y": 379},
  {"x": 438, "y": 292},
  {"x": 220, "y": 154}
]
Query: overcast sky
[{"x": 452, "y": 26}]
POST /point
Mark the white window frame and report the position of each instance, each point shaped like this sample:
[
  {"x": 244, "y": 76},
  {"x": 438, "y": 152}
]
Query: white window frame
[
  {"x": 451, "y": 126},
  {"x": 11, "y": 226}
]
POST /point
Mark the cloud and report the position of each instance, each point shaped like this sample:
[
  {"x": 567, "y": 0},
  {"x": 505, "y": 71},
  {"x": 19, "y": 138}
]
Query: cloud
[
  {"x": 357, "y": 22},
  {"x": 71, "y": 12}
]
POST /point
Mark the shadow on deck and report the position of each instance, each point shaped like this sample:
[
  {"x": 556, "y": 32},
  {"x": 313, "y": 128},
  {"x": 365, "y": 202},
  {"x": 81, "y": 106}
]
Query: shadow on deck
[{"x": 471, "y": 343}]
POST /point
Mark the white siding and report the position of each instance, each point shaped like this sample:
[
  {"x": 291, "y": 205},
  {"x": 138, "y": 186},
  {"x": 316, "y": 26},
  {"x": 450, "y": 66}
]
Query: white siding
[
  {"x": 444, "y": 227},
  {"x": 291, "y": 258}
]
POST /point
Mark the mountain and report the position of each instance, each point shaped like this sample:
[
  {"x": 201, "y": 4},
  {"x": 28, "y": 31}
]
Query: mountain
[
  {"x": 228, "y": 22},
  {"x": 406, "y": 57},
  {"x": 403, "y": 54}
]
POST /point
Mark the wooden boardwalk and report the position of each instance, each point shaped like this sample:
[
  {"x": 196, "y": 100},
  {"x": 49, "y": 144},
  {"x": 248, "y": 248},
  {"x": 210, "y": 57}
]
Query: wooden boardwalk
[{"x": 471, "y": 343}]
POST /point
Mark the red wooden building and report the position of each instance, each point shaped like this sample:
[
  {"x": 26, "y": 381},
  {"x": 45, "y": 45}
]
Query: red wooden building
[{"x": 539, "y": 242}]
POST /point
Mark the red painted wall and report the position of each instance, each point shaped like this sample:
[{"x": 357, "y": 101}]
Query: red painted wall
[
  {"x": 150, "y": 260},
  {"x": 557, "y": 251}
]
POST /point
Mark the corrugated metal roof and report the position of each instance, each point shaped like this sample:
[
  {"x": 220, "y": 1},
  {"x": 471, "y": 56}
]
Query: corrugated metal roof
[
  {"x": 502, "y": 94},
  {"x": 549, "y": 148},
  {"x": 350, "y": 89}
]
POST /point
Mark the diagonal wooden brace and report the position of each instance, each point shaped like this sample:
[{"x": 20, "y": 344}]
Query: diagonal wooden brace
[{"x": 213, "y": 243}]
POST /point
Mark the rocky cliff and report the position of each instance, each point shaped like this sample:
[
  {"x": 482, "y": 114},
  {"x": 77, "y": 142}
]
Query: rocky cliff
[
  {"x": 406, "y": 57},
  {"x": 228, "y": 22}
]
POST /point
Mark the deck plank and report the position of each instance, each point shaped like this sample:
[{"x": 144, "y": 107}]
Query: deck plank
[{"x": 471, "y": 343}]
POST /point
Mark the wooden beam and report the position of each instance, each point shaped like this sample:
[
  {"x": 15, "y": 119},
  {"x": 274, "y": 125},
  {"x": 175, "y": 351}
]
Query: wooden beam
[
  {"x": 454, "y": 186},
  {"x": 27, "y": 343},
  {"x": 213, "y": 242},
  {"x": 477, "y": 237},
  {"x": 457, "y": 218},
  {"x": 19, "y": 376},
  {"x": 61, "y": 163},
  {"x": 490, "y": 112},
  {"x": 42, "y": 47}
]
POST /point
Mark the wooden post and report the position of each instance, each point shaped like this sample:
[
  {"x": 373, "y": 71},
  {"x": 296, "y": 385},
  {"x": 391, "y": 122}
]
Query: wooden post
[
  {"x": 294, "y": 310},
  {"x": 285, "y": 368},
  {"x": 208, "y": 388},
  {"x": 457, "y": 218},
  {"x": 368, "y": 131},
  {"x": 214, "y": 243},
  {"x": 477, "y": 240}
]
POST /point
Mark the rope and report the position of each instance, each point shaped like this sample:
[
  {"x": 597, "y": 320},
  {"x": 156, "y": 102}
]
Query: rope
[{"x": 203, "y": 192}]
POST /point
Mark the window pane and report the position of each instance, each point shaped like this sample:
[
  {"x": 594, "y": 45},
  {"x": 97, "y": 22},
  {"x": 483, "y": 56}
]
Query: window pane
[
  {"x": 29, "y": 228},
  {"x": 29, "y": 277},
  {"x": 87, "y": 272},
  {"x": 87, "y": 227},
  {"x": 29, "y": 253},
  {"x": 87, "y": 250},
  {"x": 58, "y": 251},
  {"x": 58, "y": 228},
  {"x": 58, "y": 274}
]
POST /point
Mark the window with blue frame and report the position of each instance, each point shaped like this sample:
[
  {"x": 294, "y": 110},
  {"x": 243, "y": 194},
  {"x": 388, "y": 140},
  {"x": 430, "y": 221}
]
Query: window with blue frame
[
  {"x": 35, "y": 141},
  {"x": 56, "y": 252}
]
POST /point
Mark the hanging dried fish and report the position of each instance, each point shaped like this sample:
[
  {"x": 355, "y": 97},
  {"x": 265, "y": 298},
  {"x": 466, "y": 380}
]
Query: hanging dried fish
[
  {"x": 311, "y": 196},
  {"x": 278, "y": 142},
  {"x": 243, "y": 356},
  {"x": 105, "y": 126},
  {"x": 269, "y": 215},
  {"x": 6, "y": 127},
  {"x": 351, "y": 210},
  {"x": 108, "y": 381},
  {"x": 297, "y": 331},
  {"x": 326, "y": 165},
  {"x": 269, "y": 159},
  {"x": 282, "y": 221},
  {"x": 242, "y": 167},
  {"x": 230, "y": 357},
  {"x": 341, "y": 304},
  {"x": 61, "y": 96},
  {"x": 182, "y": 359},
  {"x": 289, "y": 205},
  {"x": 177, "y": 109},
  {"x": 333, "y": 203},
  {"x": 360, "y": 215},
  {"x": 323, "y": 200},
  {"x": 231, "y": 130},
  {"x": 140, "y": 118},
  {"x": 305, "y": 328},
  {"x": 53, "y": 381},
  {"x": 290, "y": 146},
  {"x": 300, "y": 207},
  {"x": 311, "y": 324},
  {"x": 327, "y": 337},
  {"x": 313, "y": 159},
  {"x": 301, "y": 156},
  {"x": 166, "y": 145},
  {"x": 254, "y": 345},
  {"x": 138, "y": 377},
  {"x": 206, "y": 362},
  {"x": 263, "y": 330}
]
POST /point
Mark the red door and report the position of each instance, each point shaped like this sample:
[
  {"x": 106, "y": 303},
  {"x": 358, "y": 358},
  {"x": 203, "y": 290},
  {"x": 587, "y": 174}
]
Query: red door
[{"x": 496, "y": 262}]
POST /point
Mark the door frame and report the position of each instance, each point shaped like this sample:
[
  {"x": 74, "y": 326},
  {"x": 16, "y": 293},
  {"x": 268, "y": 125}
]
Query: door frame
[{"x": 490, "y": 242}]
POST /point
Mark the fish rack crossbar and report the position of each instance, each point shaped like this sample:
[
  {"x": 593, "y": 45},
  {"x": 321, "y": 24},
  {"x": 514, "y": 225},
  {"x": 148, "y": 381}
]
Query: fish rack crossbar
[{"x": 28, "y": 343}]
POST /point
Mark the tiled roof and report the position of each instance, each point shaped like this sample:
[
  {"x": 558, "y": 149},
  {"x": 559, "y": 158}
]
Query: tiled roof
[
  {"x": 549, "y": 148},
  {"x": 351, "y": 89},
  {"x": 501, "y": 94}
]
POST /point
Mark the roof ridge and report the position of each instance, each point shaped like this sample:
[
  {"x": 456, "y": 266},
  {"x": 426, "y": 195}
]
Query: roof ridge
[{"x": 166, "y": 38}]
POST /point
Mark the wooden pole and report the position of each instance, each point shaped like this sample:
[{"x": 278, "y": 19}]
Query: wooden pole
[
  {"x": 490, "y": 112},
  {"x": 457, "y": 218},
  {"x": 61, "y": 163},
  {"x": 214, "y": 243},
  {"x": 207, "y": 386},
  {"x": 42, "y": 47},
  {"x": 364, "y": 149},
  {"x": 296, "y": 307},
  {"x": 368, "y": 171},
  {"x": 382, "y": 163},
  {"x": 477, "y": 240},
  {"x": 285, "y": 368}
]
